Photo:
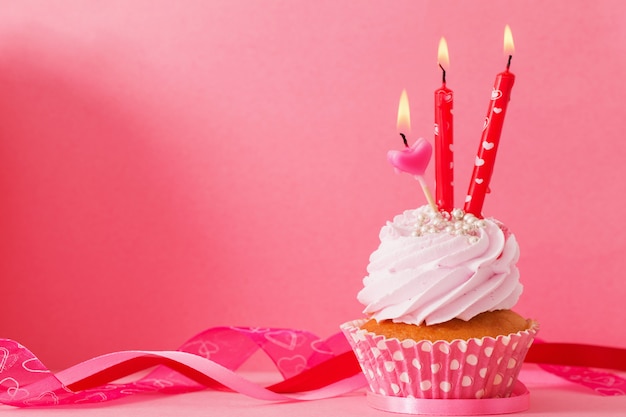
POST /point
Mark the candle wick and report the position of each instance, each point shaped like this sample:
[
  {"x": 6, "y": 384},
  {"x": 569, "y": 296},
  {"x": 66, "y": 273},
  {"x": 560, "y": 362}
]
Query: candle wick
[
  {"x": 404, "y": 140},
  {"x": 443, "y": 73},
  {"x": 508, "y": 64}
]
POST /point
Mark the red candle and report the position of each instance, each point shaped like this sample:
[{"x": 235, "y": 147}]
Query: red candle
[
  {"x": 492, "y": 128},
  {"x": 444, "y": 158}
]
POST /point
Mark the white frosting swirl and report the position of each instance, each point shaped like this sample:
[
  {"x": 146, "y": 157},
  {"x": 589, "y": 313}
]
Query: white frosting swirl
[{"x": 438, "y": 274}]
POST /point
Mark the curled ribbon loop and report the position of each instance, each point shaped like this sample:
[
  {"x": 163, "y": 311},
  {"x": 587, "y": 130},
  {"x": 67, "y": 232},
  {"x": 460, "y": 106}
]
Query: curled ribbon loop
[{"x": 208, "y": 360}]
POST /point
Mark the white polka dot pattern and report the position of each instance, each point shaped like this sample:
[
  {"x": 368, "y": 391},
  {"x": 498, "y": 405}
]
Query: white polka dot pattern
[{"x": 474, "y": 368}]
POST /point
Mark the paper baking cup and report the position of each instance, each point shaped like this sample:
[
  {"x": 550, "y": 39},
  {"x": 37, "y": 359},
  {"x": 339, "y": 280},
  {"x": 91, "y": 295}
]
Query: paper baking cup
[{"x": 461, "y": 369}]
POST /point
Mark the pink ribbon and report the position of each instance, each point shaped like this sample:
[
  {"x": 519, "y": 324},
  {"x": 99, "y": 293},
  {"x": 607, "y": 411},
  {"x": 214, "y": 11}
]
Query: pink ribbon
[
  {"x": 577, "y": 362},
  {"x": 519, "y": 401},
  {"x": 208, "y": 360},
  {"x": 312, "y": 369}
]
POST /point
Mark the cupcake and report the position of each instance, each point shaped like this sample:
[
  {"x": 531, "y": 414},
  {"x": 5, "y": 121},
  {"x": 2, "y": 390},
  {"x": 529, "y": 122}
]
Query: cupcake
[{"x": 438, "y": 299}]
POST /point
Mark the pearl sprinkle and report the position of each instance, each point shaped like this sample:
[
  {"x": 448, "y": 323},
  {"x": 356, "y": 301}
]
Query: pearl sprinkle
[{"x": 457, "y": 222}]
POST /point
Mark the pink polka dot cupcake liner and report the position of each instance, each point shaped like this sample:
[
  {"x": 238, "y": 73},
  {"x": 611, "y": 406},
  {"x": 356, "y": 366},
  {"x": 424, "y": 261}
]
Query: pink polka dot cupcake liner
[{"x": 461, "y": 369}]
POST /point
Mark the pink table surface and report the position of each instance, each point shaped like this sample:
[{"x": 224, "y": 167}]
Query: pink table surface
[{"x": 550, "y": 396}]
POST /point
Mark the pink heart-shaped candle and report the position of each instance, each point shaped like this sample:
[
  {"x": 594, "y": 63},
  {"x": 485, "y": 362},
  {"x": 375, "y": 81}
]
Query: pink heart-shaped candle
[{"x": 412, "y": 160}]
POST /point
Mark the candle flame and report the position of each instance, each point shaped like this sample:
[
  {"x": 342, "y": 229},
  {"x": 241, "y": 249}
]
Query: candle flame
[
  {"x": 404, "y": 114},
  {"x": 509, "y": 46},
  {"x": 442, "y": 54}
]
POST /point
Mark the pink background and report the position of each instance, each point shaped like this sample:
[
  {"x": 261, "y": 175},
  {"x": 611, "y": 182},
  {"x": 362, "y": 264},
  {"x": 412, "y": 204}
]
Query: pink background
[{"x": 171, "y": 166}]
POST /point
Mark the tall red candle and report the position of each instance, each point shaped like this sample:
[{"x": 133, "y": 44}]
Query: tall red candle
[
  {"x": 492, "y": 129},
  {"x": 444, "y": 157}
]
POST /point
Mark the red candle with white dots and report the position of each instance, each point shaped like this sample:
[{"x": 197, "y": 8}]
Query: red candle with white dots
[
  {"x": 492, "y": 129},
  {"x": 444, "y": 159}
]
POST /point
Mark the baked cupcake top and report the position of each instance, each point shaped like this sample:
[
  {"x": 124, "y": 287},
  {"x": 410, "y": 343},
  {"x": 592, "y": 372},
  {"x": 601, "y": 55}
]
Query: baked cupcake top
[{"x": 433, "y": 267}]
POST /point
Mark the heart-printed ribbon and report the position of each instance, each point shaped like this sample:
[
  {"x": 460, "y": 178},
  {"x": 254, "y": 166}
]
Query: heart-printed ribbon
[
  {"x": 312, "y": 368},
  {"x": 579, "y": 363}
]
